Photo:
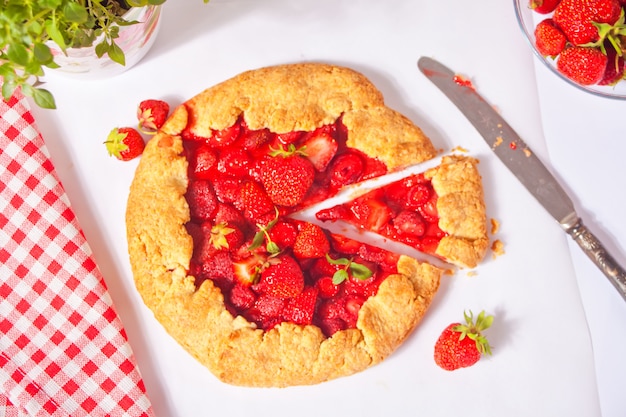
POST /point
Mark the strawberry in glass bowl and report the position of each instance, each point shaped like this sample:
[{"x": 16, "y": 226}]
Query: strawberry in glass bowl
[{"x": 583, "y": 42}]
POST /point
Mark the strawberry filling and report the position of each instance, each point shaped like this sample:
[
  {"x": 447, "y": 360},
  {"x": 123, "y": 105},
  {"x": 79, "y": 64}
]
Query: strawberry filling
[
  {"x": 404, "y": 211},
  {"x": 270, "y": 268}
]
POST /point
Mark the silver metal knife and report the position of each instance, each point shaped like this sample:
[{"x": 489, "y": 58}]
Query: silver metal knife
[{"x": 524, "y": 164}]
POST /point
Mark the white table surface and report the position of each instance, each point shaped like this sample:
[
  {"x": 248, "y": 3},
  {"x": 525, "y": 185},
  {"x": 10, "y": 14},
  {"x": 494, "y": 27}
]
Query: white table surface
[{"x": 556, "y": 348}]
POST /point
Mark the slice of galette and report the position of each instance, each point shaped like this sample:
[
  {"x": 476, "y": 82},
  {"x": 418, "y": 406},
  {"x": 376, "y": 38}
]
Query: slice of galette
[
  {"x": 258, "y": 297},
  {"x": 440, "y": 211}
]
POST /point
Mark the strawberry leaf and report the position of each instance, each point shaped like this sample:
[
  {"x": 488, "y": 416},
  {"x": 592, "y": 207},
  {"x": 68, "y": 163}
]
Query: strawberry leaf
[
  {"x": 360, "y": 271},
  {"x": 340, "y": 276}
]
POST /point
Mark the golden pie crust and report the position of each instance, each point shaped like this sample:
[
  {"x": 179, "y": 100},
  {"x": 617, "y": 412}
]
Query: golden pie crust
[
  {"x": 461, "y": 208},
  {"x": 282, "y": 98}
]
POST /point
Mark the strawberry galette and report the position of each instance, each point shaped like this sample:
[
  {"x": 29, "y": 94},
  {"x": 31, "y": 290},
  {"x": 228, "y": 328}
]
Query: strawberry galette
[{"x": 258, "y": 296}]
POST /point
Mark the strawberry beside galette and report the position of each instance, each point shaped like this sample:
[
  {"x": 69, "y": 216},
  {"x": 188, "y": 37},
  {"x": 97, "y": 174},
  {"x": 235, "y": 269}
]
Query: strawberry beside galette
[{"x": 259, "y": 297}]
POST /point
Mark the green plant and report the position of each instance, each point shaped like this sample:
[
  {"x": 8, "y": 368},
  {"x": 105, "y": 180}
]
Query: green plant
[{"x": 27, "y": 25}]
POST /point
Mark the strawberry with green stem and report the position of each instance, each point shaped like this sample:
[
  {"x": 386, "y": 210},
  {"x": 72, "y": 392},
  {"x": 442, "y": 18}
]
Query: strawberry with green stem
[
  {"x": 152, "y": 115},
  {"x": 125, "y": 143},
  {"x": 287, "y": 175},
  {"x": 462, "y": 345}
]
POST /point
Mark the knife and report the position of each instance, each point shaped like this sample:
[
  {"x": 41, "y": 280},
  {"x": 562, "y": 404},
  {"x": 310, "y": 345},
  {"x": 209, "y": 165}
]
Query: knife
[{"x": 524, "y": 164}]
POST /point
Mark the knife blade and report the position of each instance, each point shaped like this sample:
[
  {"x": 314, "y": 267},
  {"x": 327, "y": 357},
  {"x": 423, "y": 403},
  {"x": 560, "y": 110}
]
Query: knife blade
[{"x": 524, "y": 164}]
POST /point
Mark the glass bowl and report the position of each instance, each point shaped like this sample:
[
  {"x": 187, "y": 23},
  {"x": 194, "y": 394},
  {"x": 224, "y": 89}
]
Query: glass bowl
[{"x": 527, "y": 20}]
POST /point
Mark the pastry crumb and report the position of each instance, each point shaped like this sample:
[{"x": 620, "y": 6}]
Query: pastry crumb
[
  {"x": 459, "y": 149},
  {"x": 497, "y": 247},
  {"x": 527, "y": 152},
  {"x": 472, "y": 273},
  {"x": 495, "y": 226},
  {"x": 498, "y": 142}
]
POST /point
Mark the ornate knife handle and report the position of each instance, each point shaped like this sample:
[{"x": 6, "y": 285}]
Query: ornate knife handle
[{"x": 594, "y": 249}]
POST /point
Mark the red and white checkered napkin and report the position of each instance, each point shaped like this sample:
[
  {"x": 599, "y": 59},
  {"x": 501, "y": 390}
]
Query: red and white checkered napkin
[{"x": 63, "y": 349}]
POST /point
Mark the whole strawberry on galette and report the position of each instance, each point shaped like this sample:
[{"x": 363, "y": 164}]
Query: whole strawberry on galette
[{"x": 258, "y": 296}]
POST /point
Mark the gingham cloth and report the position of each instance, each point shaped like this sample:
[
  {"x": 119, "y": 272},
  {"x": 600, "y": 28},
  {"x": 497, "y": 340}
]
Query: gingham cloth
[{"x": 63, "y": 349}]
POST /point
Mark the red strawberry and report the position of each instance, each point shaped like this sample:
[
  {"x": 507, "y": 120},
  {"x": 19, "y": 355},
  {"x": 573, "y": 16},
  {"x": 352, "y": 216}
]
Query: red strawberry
[
  {"x": 543, "y": 6},
  {"x": 585, "y": 66},
  {"x": 311, "y": 242},
  {"x": 231, "y": 216},
  {"x": 410, "y": 223},
  {"x": 202, "y": 161},
  {"x": 326, "y": 287},
  {"x": 125, "y": 143},
  {"x": 220, "y": 269},
  {"x": 254, "y": 139},
  {"x": 549, "y": 39},
  {"x": 282, "y": 279},
  {"x": 418, "y": 195},
  {"x": 227, "y": 189},
  {"x": 287, "y": 176},
  {"x": 223, "y": 237},
  {"x": 614, "y": 68},
  {"x": 370, "y": 214},
  {"x": 462, "y": 345},
  {"x": 269, "y": 306},
  {"x": 254, "y": 201},
  {"x": 283, "y": 234},
  {"x": 235, "y": 162},
  {"x": 428, "y": 210},
  {"x": 576, "y": 18},
  {"x": 320, "y": 149},
  {"x": 242, "y": 297},
  {"x": 300, "y": 309},
  {"x": 201, "y": 200},
  {"x": 346, "y": 169},
  {"x": 247, "y": 270},
  {"x": 345, "y": 245},
  {"x": 152, "y": 114},
  {"x": 289, "y": 137},
  {"x": 225, "y": 137}
]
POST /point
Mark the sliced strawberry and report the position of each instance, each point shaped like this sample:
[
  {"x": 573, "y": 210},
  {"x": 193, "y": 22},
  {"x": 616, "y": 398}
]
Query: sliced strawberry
[
  {"x": 225, "y": 137},
  {"x": 201, "y": 199},
  {"x": 344, "y": 245},
  {"x": 247, "y": 271},
  {"x": 300, "y": 309},
  {"x": 409, "y": 222},
  {"x": 320, "y": 150},
  {"x": 418, "y": 195},
  {"x": 429, "y": 209},
  {"x": 346, "y": 169},
  {"x": 370, "y": 214},
  {"x": 234, "y": 162},
  {"x": 311, "y": 242}
]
